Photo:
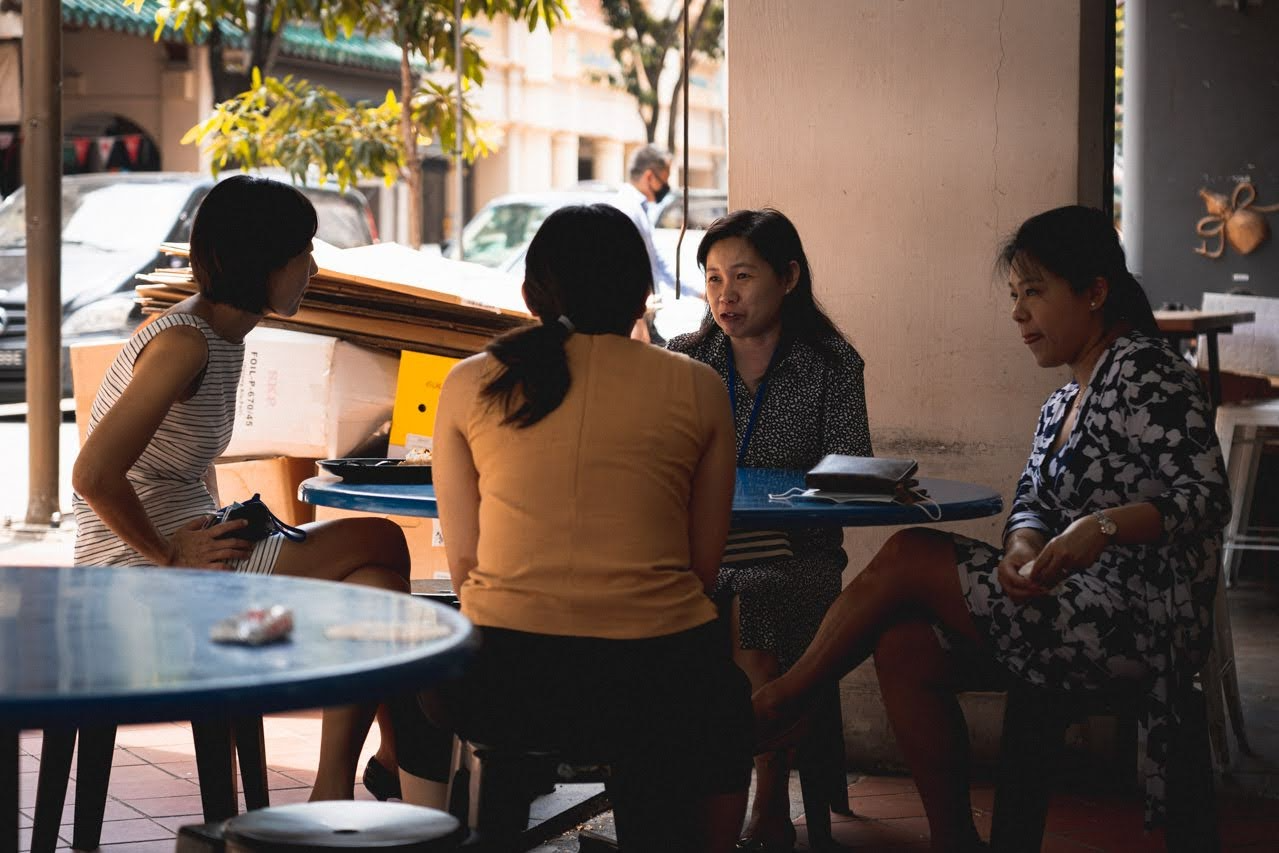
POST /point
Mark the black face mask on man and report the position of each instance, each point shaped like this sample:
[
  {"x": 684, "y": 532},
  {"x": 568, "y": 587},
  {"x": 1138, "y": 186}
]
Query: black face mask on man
[{"x": 661, "y": 192}]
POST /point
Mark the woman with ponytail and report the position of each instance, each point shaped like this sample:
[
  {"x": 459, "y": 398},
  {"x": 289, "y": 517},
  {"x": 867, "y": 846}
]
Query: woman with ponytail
[
  {"x": 584, "y": 482},
  {"x": 1108, "y": 565}
]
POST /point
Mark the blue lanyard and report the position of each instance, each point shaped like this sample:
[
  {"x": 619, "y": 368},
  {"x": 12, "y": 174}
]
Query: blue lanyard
[{"x": 760, "y": 393}]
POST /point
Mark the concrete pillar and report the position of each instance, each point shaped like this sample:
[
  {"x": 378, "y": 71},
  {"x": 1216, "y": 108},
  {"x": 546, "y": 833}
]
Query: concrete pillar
[
  {"x": 535, "y": 171},
  {"x": 563, "y": 160},
  {"x": 610, "y": 160},
  {"x": 1131, "y": 214}
]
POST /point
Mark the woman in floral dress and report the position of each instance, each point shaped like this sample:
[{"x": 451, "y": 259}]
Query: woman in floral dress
[{"x": 1109, "y": 559}]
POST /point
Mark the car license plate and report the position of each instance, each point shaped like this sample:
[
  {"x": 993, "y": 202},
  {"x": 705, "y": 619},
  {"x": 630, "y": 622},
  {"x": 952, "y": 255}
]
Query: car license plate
[{"x": 11, "y": 358}]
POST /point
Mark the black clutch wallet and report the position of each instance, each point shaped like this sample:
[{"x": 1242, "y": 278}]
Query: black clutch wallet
[{"x": 861, "y": 474}]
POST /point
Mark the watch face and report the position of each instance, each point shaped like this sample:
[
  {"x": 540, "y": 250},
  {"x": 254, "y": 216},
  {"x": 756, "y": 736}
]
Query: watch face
[{"x": 1108, "y": 527}]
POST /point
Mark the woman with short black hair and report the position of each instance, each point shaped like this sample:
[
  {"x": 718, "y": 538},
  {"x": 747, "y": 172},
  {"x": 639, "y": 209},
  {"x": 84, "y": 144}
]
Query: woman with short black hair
[{"x": 145, "y": 489}]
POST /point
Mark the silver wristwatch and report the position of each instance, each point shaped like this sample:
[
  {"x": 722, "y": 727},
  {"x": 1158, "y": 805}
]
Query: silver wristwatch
[{"x": 1106, "y": 523}]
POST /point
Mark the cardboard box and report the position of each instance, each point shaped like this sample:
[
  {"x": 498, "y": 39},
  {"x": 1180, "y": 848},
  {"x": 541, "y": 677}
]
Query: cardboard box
[
  {"x": 426, "y": 546},
  {"x": 275, "y": 479},
  {"x": 89, "y": 363},
  {"x": 417, "y": 397},
  {"x": 308, "y": 395}
]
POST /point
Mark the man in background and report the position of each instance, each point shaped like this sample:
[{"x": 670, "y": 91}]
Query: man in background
[{"x": 649, "y": 183}]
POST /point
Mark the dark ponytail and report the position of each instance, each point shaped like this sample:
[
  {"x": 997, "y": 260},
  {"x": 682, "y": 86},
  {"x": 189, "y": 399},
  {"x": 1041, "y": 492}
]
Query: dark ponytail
[
  {"x": 587, "y": 272},
  {"x": 535, "y": 378},
  {"x": 1080, "y": 244}
]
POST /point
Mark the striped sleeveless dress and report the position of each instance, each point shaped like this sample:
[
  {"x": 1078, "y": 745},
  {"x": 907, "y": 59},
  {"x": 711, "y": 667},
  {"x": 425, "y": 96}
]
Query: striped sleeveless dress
[{"x": 169, "y": 475}]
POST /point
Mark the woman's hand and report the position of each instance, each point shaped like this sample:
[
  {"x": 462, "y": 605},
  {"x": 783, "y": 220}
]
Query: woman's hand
[
  {"x": 195, "y": 546},
  {"x": 1018, "y": 551},
  {"x": 1077, "y": 547}
]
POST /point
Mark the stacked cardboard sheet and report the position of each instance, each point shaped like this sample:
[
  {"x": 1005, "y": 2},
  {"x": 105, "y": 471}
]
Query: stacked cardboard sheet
[{"x": 385, "y": 295}]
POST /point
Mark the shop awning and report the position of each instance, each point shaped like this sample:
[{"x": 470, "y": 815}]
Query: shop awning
[{"x": 300, "y": 41}]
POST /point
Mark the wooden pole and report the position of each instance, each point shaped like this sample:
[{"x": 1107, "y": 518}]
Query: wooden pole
[{"x": 42, "y": 176}]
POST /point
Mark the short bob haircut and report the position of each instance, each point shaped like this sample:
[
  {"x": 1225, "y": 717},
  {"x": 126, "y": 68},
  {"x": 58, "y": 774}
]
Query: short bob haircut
[{"x": 247, "y": 228}]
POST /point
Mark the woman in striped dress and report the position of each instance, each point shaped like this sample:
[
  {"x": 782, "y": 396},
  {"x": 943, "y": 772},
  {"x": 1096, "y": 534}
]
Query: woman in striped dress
[{"x": 143, "y": 482}]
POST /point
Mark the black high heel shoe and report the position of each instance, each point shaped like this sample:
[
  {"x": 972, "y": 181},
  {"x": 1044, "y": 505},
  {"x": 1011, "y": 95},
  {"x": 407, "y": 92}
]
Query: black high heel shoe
[{"x": 380, "y": 782}]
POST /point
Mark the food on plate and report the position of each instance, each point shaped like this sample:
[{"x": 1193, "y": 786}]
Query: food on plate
[{"x": 417, "y": 456}]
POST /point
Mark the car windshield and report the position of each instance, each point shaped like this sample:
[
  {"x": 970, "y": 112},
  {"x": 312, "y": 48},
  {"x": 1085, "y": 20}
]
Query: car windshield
[
  {"x": 498, "y": 233},
  {"x": 106, "y": 216},
  {"x": 341, "y": 221}
]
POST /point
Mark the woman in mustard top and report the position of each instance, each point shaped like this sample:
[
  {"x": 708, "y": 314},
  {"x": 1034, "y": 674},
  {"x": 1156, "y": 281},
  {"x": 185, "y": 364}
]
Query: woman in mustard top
[{"x": 584, "y": 482}]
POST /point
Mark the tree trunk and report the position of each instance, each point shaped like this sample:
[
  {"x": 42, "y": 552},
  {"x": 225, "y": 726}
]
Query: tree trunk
[
  {"x": 650, "y": 123},
  {"x": 677, "y": 95},
  {"x": 264, "y": 49},
  {"x": 408, "y": 134},
  {"x": 226, "y": 84},
  {"x": 694, "y": 37}
]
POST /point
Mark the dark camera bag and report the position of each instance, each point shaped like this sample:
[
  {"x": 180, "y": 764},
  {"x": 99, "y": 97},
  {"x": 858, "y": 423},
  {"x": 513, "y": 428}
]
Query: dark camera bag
[{"x": 261, "y": 521}]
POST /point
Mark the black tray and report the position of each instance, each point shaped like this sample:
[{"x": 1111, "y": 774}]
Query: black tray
[{"x": 380, "y": 471}]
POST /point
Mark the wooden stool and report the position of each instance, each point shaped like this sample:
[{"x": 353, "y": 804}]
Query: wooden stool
[{"x": 339, "y": 825}]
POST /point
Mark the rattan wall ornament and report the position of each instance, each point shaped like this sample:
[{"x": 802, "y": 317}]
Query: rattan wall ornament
[{"x": 1235, "y": 220}]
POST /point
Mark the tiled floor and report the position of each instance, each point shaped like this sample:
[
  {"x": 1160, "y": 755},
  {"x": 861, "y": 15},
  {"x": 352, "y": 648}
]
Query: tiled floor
[
  {"x": 154, "y": 791},
  {"x": 154, "y": 788}
]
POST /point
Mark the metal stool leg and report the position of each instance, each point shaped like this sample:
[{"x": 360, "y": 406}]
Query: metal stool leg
[{"x": 1228, "y": 673}]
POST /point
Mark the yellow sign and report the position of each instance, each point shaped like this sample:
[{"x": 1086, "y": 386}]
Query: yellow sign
[{"x": 417, "y": 394}]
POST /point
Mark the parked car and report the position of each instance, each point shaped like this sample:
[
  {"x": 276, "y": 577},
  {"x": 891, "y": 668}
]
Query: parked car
[
  {"x": 704, "y": 207},
  {"x": 499, "y": 234},
  {"x": 112, "y": 226}
]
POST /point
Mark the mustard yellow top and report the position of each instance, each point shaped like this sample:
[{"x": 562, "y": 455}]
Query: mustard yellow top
[{"x": 584, "y": 516}]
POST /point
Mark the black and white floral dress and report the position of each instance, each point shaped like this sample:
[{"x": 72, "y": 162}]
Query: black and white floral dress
[
  {"x": 814, "y": 404},
  {"x": 1144, "y": 433}
]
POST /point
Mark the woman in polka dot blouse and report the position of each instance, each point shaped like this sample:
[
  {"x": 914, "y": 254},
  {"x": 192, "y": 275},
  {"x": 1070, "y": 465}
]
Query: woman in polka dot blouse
[{"x": 795, "y": 386}]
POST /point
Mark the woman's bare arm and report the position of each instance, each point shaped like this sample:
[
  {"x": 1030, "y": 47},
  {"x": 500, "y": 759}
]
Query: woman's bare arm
[
  {"x": 457, "y": 482},
  {"x": 162, "y": 375}
]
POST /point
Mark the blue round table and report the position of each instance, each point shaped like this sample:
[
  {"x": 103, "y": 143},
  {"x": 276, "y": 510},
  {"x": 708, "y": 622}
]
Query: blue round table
[
  {"x": 95, "y": 645},
  {"x": 752, "y": 506}
]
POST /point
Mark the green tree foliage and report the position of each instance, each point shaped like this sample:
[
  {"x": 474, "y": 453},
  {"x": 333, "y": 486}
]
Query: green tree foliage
[
  {"x": 260, "y": 120},
  {"x": 644, "y": 42}
]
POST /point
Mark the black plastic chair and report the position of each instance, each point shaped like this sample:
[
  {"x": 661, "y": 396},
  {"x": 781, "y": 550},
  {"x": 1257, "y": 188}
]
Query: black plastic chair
[
  {"x": 492, "y": 788},
  {"x": 1031, "y": 748},
  {"x": 821, "y": 763},
  {"x": 216, "y": 744}
]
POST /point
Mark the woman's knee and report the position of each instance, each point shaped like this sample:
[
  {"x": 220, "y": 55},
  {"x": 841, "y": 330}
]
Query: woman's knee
[
  {"x": 380, "y": 540},
  {"x": 910, "y": 556}
]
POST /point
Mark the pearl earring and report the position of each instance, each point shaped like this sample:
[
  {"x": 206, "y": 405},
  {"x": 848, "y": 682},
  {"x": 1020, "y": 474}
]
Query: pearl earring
[{"x": 1092, "y": 304}]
